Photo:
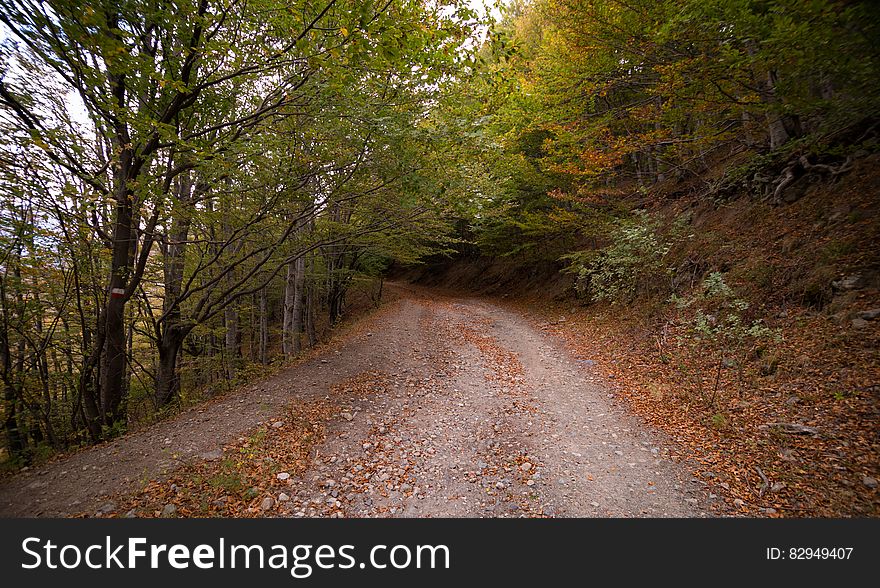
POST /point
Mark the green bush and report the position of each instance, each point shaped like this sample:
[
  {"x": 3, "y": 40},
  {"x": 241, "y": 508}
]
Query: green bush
[
  {"x": 632, "y": 264},
  {"x": 720, "y": 324},
  {"x": 720, "y": 319}
]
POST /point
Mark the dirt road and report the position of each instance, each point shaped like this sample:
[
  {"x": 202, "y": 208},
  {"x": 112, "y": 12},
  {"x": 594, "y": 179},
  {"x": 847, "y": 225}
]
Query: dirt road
[{"x": 476, "y": 413}]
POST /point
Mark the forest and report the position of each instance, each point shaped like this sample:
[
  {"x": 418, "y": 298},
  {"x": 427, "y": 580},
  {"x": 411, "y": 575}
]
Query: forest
[
  {"x": 188, "y": 186},
  {"x": 197, "y": 192}
]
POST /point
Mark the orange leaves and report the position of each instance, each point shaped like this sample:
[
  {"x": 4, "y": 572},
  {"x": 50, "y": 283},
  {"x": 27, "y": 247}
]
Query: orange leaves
[
  {"x": 247, "y": 474},
  {"x": 806, "y": 475},
  {"x": 253, "y": 469}
]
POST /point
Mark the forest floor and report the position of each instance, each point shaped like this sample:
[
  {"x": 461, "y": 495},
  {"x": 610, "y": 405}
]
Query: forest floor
[{"x": 432, "y": 406}]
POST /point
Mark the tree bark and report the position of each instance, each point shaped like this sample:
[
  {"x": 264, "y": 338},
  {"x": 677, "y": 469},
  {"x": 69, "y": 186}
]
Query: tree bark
[
  {"x": 297, "y": 310},
  {"x": 233, "y": 350},
  {"x": 113, "y": 361},
  {"x": 287, "y": 334},
  {"x": 167, "y": 377},
  {"x": 310, "y": 308},
  {"x": 170, "y": 330},
  {"x": 14, "y": 439},
  {"x": 264, "y": 327},
  {"x": 781, "y": 127}
]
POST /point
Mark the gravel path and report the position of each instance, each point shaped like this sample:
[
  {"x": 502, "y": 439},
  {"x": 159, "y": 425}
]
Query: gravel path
[
  {"x": 483, "y": 415},
  {"x": 475, "y": 412}
]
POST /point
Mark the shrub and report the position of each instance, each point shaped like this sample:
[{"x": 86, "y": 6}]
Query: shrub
[
  {"x": 719, "y": 322},
  {"x": 633, "y": 263},
  {"x": 720, "y": 318}
]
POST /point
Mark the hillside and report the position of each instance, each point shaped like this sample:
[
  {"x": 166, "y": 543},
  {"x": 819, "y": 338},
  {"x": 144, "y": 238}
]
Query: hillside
[{"x": 789, "y": 426}]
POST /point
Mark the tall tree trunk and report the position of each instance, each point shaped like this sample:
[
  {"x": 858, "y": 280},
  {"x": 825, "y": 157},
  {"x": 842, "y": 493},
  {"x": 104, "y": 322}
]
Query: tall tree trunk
[
  {"x": 85, "y": 402},
  {"x": 287, "y": 334},
  {"x": 113, "y": 360},
  {"x": 311, "y": 300},
  {"x": 167, "y": 376},
  {"x": 89, "y": 398},
  {"x": 254, "y": 329},
  {"x": 296, "y": 326},
  {"x": 213, "y": 352},
  {"x": 264, "y": 327},
  {"x": 335, "y": 265},
  {"x": 171, "y": 333},
  {"x": 231, "y": 322},
  {"x": 41, "y": 364},
  {"x": 14, "y": 440},
  {"x": 233, "y": 350},
  {"x": 781, "y": 127}
]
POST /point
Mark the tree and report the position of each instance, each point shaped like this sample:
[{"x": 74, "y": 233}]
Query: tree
[{"x": 177, "y": 160}]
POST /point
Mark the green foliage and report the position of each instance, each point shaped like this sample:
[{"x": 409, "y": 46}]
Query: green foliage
[
  {"x": 716, "y": 321},
  {"x": 190, "y": 154},
  {"x": 720, "y": 317},
  {"x": 570, "y": 109},
  {"x": 719, "y": 421},
  {"x": 631, "y": 264},
  {"x": 229, "y": 478}
]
